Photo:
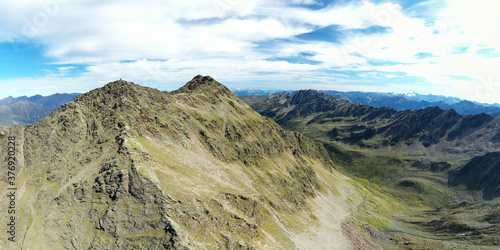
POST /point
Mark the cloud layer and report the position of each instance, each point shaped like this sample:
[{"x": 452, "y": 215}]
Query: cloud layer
[{"x": 444, "y": 47}]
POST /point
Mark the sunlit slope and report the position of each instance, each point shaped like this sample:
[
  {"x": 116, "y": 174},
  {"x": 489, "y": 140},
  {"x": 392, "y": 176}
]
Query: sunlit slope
[{"x": 126, "y": 166}]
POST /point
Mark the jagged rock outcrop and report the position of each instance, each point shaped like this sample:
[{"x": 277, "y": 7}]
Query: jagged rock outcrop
[{"x": 131, "y": 167}]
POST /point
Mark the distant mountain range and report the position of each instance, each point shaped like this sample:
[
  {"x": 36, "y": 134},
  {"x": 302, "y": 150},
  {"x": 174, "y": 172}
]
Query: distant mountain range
[
  {"x": 34, "y": 108},
  {"x": 52, "y": 102},
  {"x": 22, "y": 113},
  {"x": 247, "y": 92},
  {"x": 399, "y": 102},
  {"x": 405, "y": 102},
  {"x": 432, "y": 128},
  {"x": 430, "y": 138},
  {"x": 27, "y": 110},
  {"x": 409, "y": 96}
]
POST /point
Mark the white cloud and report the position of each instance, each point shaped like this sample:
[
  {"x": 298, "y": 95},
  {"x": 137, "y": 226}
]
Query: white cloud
[
  {"x": 350, "y": 15},
  {"x": 221, "y": 38},
  {"x": 479, "y": 21},
  {"x": 91, "y": 32},
  {"x": 460, "y": 24}
]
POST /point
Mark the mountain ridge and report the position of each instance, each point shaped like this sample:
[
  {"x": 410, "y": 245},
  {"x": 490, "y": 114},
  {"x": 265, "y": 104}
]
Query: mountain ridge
[
  {"x": 434, "y": 158},
  {"x": 22, "y": 113},
  {"x": 25, "y": 110},
  {"x": 432, "y": 128},
  {"x": 402, "y": 102},
  {"x": 52, "y": 102},
  {"x": 126, "y": 166},
  {"x": 481, "y": 173}
]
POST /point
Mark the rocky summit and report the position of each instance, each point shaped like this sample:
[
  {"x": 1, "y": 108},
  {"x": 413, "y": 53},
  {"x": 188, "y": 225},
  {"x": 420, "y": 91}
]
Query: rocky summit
[{"x": 131, "y": 167}]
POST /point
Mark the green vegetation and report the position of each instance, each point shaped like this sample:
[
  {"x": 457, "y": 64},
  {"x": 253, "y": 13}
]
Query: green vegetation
[
  {"x": 391, "y": 158},
  {"x": 126, "y": 166}
]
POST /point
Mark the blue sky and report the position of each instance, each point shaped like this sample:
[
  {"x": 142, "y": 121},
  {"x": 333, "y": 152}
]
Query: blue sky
[{"x": 444, "y": 47}]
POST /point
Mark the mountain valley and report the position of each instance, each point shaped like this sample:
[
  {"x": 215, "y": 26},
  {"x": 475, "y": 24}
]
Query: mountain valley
[{"x": 428, "y": 158}]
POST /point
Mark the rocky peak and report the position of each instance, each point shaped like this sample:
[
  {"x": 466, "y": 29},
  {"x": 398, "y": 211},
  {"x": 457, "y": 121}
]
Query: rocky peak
[
  {"x": 125, "y": 153},
  {"x": 204, "y": 84},
  {"x": 118, "y": 87},
  {"x": 121, "y": 95},
  {"x": 314, "y": 101},
  {"x": 111, "y": 90},
  {"x": 304, "y": 96},
  {"x": 120, "y": 84}
]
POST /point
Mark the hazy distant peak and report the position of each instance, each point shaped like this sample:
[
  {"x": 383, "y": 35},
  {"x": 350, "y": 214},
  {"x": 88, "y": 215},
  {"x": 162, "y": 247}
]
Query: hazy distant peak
[{"x": 303, "y": 96}]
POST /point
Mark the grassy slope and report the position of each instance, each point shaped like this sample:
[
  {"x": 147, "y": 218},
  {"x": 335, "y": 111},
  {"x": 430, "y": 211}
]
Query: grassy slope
[
  {"x": 194, "y": 173},
  {"x": 82, "y": 162},
  {"x": 409, "y": 192}
]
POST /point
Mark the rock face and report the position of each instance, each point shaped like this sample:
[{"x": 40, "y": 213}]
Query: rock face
[
  {"x": 130, "y": 167},
  {"x": 482, "y": 173}
]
